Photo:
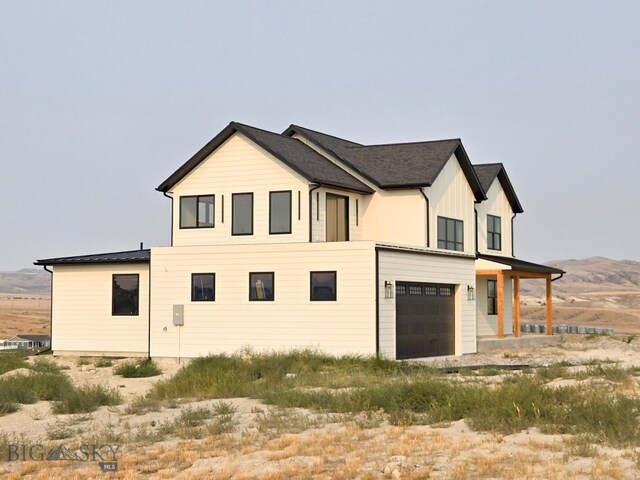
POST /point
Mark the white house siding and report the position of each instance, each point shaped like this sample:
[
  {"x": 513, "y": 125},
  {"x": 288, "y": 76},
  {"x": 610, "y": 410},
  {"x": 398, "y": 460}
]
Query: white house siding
[
  {"x": 232, "y": 322},
  {"x": 319, "y": 212},
  {"x": 402, "y": 266},
  {"x": 82, "y": 320},
  {"x": 496, "y": 204},
  {"x": 451, "y": 196},
  {"x": 384, "y": 213},
  {"x": 397, "y": 217},
  {"x": 488, "y": 324},
  {"x": 240, "y": 166}
]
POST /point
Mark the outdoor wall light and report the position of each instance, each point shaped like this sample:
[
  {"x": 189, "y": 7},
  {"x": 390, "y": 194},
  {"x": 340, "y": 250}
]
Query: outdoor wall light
[
  {"x": 388, "y": 289},
  {"x": 471, "y": 293}
]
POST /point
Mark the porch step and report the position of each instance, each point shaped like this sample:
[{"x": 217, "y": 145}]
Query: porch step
[{"x": 494, "y": 343}]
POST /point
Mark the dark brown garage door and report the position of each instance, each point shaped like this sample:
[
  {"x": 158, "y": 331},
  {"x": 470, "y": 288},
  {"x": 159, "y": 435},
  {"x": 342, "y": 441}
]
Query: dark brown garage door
[{"x": 425, "y": 320}]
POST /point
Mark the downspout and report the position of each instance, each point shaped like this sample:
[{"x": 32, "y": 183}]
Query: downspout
[
  {"x": 512, "y": 217},
  {"x": 171, "y": 198},
  {"x": 377, "y": 283},
  {"x": 558, "y": 278},
  {"x": 426, "y": 199},
  {"x": 475, "y": 212},
  {"x": 50, "y": 311},
  {"x": 315, "y": 186},
  {"x": 149, "y": 313}
]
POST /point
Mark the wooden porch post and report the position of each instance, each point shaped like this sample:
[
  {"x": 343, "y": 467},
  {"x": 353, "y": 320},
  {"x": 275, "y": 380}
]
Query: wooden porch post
[
  {"x": 516, "y": 305},
  {"x": 500, "y": 280},
  {"x": 549, "y": 308}
]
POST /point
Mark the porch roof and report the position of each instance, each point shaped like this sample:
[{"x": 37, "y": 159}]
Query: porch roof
[{"x": 518, "y": 265}]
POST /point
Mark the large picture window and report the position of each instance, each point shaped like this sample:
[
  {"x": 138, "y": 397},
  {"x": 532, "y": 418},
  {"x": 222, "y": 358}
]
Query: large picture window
[
  {"x": 280, "y": 212},
  {"x": 261, "y": 287},
  {"x": 323, "y": 286},
  {"x": 203, "y": 287},
  {"x": 450, "y": 234},
  {"x": 492, "y": 297},
  {"x": 242, "y": 214},
  {"x": 337, "y": 218},
  {"x": 197, "y": 211},
  {"x": 494, "y": 232},
  {"x": 125, "y": 294}
]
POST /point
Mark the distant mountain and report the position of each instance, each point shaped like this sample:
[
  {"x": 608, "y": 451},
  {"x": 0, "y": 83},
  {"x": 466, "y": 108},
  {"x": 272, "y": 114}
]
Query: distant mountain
[
  {"x": 25, "y": 281},
  {"x": 591, "y": 275}
]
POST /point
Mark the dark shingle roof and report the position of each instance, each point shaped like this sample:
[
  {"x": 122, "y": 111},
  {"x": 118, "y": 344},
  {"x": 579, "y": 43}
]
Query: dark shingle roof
[
  {"x": 487, "y": 173},
  {"x": 398, "y": 165},
  {"x": 293, "y": 153},
  {"x": 34, "y": 338},
  {"x": 129, "y": 256},
  {"x": 521, "y": 265}
]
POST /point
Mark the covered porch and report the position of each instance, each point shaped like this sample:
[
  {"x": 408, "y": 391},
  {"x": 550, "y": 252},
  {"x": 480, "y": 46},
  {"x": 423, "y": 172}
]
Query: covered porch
[{"x": 499, "y": 279}]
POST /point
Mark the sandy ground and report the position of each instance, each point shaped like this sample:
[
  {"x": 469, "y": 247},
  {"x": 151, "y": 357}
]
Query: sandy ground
[
  {"x": 312, "y": 445},
  {"x": 26, "y": 314}
]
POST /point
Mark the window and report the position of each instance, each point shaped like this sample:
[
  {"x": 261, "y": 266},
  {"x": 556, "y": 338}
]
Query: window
[
  {"x": 450, "y": 234},
  {"x": 280, "y": 212},
  {"x": 197, "y": 211},
  {"x": 242, "y": 214},
  {"x": 494, "y": 232},
  {"x": 323, "y": 286},
  {"x": 261, "y": 287},
  {"x": 125, "y": 294},
  {"x": 492, "y": 297},
  {"x": 203, "y": 287},
  {"x": 337, "y": 218}
]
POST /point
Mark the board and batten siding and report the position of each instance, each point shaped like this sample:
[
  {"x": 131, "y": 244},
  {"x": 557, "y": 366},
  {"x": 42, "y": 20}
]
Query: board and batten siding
[
  {"x": 292, "y": 321},
  {"x": 241, "y": 166},
  {"x": 488, "y": 324},
  {"x": 451, "y": 196},
  {"x": 319, "y": 213},
  {"x": 402, "y": 266},
  {"x": 82, "y": 304},
  {"x": 496, "y": 204}
]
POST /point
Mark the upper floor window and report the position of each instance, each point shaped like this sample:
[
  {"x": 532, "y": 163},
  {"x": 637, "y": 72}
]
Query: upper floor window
[
  {"x": 125, "y": 294},
  {"x": 494, "y": 232},
  {"x": 242, "y": 214},
  {"x": 450, "y": 234},
  {"x": 197, "y": 211},
  {"x": 337, "y": 218},
  {"x": 280, "y": 212},
  {"x": 203, "y": 287}
]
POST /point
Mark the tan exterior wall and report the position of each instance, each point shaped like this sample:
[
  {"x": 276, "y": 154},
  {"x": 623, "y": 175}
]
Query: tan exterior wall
[
  {"x": 399, "y": 266},
  {"x": 496, "y": 204},
  {"x": 82, "y": 320},
  {"x": 291, "y": 321},
  {"x": 488, "y": 324},
  {"x": 240, "y": 166},
  {"x": 451, "y": 196}
]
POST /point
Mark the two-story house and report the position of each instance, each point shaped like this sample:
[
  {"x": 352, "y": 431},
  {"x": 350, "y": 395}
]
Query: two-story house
[{"x": 306, "y": 240}]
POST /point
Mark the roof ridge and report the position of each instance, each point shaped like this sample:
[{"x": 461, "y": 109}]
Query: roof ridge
[
  {"x": 104, "y": 253},
  {"x": 294, "y": 126},
  {"x": 409, "y": 143},
  {"x": 244, "y": 125}
]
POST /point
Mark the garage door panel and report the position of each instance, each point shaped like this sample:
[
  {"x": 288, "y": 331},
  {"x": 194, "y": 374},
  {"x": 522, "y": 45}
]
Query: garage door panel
[{"x": 425, "y": 320}]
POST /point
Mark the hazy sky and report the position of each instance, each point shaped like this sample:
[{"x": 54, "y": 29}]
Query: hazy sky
[{"x": 101, "y": 101}]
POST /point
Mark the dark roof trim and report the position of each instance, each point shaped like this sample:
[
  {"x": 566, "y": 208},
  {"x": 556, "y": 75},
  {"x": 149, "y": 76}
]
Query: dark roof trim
[
  {"x": 521, "y": 265},
  {"x": 503, "y": 178},
  {"x": 293, "y": 129},
  {"x": 225, "y": 134},
  {"x": 128, "y": 256}
]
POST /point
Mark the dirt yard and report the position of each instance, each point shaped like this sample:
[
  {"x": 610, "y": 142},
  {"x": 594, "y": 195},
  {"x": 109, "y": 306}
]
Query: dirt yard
[
  {"x": 254, "y": 440},
  {"x": 24, "y": 313}
]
